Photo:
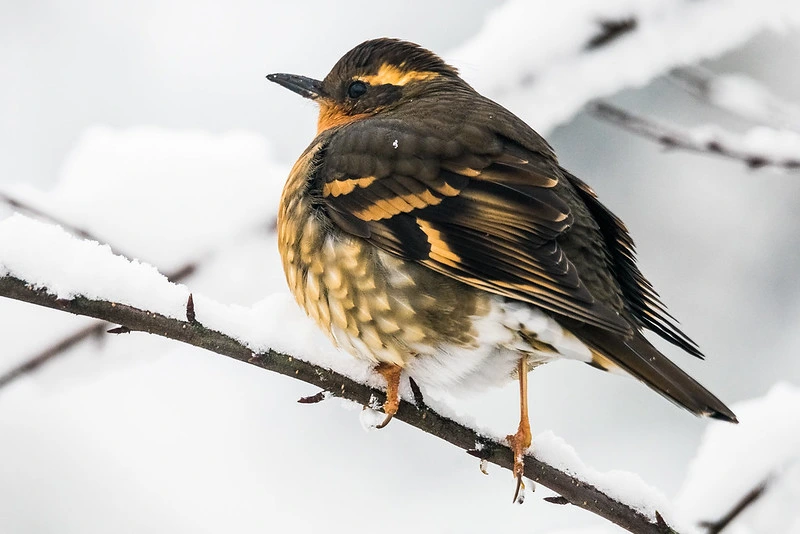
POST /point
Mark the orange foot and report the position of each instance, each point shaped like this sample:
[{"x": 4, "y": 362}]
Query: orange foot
[
  {"x": 519, "y": 443},
  {"x": 391, "y": 373}
]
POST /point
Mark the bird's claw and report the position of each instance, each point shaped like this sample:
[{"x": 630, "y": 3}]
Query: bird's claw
[
  {"x": 519, "y": 443},
  {"x": 391, "y": 373}
]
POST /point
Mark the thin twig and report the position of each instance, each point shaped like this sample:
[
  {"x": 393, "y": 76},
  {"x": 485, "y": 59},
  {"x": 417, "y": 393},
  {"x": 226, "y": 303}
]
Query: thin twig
[
  {"x": 671, "y": 136},
  {"x": 571, "y": 488},
  {"x": 715, "y": 527},
  {"x": 33, "y": 363}
]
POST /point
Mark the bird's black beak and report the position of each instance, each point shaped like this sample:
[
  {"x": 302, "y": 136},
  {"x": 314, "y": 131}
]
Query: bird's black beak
[{"x": 305, "y": 87}]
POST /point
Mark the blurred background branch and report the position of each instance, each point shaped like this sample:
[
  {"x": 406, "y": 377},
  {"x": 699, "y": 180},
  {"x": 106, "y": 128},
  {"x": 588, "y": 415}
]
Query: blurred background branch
[{"x": 715, "y": 141}]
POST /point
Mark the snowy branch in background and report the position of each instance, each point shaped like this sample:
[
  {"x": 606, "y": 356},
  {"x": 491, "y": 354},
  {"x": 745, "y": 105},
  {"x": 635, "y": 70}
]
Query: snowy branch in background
[
  {"x": 759, "y": 147},
  {"x": 547, "y": 64},
  {"x": 715, "y": 527},
  {"x": 95, "y": 330},
  {"x": 178, "y": 169},
  {"x": 725, "y": 480},
  {"x": 739, "y": 95},
  {"x": 90, "y": 280},
  {"x": 24, "y": 207}
]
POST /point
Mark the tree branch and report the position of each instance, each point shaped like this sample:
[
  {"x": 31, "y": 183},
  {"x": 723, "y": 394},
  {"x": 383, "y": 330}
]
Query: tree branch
[
  {"x": 671, "y": 136},
  {"x": 571, "y": 488},
  {"x": 715, "y": 527}
]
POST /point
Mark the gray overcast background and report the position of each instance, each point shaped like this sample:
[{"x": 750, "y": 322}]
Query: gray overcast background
[{"x": 721, "y": 244}]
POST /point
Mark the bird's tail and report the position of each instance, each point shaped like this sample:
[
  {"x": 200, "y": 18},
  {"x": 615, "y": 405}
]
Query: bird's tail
[{"x": 637, "y": 357}]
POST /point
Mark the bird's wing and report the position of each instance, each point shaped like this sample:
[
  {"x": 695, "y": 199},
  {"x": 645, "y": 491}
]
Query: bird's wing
[
  {"x": 467, "y": 203},
  {"x": 642, "y": 299}
]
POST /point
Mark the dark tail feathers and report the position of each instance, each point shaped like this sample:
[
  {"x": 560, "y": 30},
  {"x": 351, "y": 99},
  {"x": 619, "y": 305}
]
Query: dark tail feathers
[{"x": 642, "y": 360}]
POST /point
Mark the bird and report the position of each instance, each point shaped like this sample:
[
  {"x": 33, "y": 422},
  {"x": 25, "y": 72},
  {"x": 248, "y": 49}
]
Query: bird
[{"x": 432, "y": 233}]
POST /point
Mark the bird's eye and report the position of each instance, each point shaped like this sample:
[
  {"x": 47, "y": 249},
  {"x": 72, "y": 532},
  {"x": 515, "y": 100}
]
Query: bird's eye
[{"x": 356, "y": 89}]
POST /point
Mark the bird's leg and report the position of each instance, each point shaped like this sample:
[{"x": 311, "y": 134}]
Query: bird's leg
[
  {"x": 520, "y": 441},
  {"x": 391, "y": 373}
]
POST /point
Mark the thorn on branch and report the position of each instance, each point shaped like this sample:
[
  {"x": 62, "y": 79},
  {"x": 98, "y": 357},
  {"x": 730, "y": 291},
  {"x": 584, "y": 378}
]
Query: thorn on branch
[
  {"x": 756, "y": 162},
  {"x": 119, "y": 330},
  {"x": 190, "y": 316},
  {"x": 314, "y": 399},
  {"x": 611, "y": 30},
  {"x": 558, "y": 499},
  {"x": 183, "y": 272},
  {"x": 419, "y": 400}
]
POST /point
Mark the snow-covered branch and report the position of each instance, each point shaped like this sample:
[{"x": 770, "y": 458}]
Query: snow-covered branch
[
  {"x": 95, "y": 330},
  {"x": 739, "y": 95},
  {"x": 546, "y": 64},
  {"x": 571, "y": 487},
  {"x": 760, "y": 147}
]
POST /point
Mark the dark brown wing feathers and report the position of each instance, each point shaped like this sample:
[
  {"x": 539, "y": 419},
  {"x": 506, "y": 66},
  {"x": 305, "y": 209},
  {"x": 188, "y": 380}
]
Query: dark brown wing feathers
[
  {"x": 644, "y": 302},
  {"x": 486, "y": 211},
  {"x": 487, "y": 204}
]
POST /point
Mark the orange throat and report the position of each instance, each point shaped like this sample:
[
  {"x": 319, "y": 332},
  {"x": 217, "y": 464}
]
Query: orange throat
[{"x": 333, "y": 116}]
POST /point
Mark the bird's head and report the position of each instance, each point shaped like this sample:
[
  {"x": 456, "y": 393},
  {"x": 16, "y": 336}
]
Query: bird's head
[{"x": 374, "y": 76}]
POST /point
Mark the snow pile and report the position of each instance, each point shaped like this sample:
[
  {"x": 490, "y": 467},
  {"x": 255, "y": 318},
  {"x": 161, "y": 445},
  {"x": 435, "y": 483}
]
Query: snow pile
[
  {"x": 622, "y": 485},
  {"x": 733, "y": 460},
  {"x": 533, "y": 57},
  {"x": 164, "y": 196},
  {"x": 48, "y": 257}
]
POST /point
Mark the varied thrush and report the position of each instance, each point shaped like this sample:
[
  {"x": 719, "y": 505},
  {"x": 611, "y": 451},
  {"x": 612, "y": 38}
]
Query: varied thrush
[{"x": 430, "y": 231}]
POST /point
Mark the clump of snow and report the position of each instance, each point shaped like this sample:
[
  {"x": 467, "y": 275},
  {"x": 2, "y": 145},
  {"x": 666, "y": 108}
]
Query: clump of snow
[
  {"x": 622, "y": 485},
  {"x": 370, "y": 417},
  {"x": 533, "y": 58},
  {"x": 48, "y": 257},
  {"x": 732, "y": 460}
]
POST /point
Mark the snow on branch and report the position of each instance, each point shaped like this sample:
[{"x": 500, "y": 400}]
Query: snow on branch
[
  {"x": 546, "y": 62},
  {"x": 94, "y": 199},
  {"x": 94, "y": 282},
  {"x": 757, "y": 148},
  {"x": 740, "y": 95}
]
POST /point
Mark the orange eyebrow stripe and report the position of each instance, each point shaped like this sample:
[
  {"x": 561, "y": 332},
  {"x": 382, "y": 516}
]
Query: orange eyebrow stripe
[{"x": 394, "y": 75}]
